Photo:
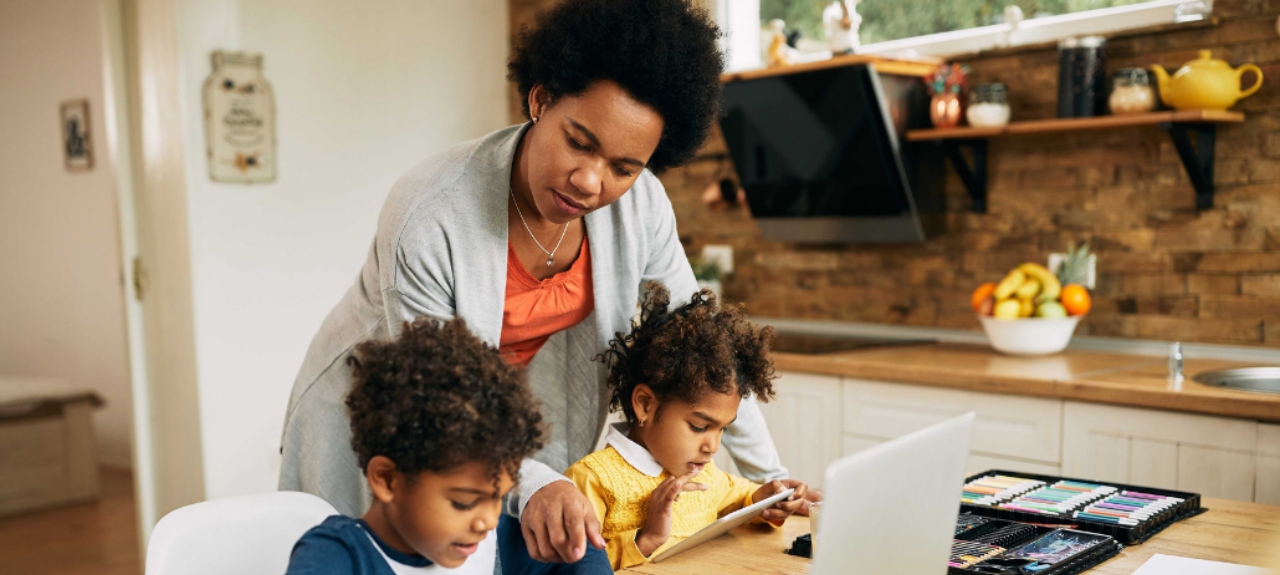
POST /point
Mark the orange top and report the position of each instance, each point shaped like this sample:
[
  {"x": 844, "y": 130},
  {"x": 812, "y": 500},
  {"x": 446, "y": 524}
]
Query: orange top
[{"x": 534, "y": 310}]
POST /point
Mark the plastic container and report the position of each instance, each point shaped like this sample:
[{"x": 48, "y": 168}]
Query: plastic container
[
  {"x": 1029, "y": 336},
  {"x": 1126, "y": 535}
]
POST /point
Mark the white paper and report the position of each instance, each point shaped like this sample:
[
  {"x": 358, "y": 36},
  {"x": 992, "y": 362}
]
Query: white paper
[{"x": 1170, "y": 565}]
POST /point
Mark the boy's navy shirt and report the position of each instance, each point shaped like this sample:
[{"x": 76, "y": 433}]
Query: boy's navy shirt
[{"x": 346, "y": 545}]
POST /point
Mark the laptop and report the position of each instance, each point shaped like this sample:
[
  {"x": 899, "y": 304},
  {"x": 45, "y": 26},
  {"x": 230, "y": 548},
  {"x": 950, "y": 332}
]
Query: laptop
[{"x": 892, "y": 508}]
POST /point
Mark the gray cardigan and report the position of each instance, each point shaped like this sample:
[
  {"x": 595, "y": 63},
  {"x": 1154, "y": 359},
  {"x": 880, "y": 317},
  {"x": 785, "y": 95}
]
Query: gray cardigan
[{"x": 441, "y": 251}]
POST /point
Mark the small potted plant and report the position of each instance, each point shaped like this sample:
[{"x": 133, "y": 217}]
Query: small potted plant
[{"x": 707, "y": 273}]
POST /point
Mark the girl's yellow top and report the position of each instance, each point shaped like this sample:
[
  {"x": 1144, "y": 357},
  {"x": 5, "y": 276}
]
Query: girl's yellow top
[{"x": 619, "y": 479}]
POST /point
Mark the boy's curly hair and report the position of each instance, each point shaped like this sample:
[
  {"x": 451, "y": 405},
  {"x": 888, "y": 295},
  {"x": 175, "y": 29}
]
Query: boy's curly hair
[
  {"x": 684, "y": 353},
  {"x": 438, "y": 397},
  {"x": 662, "y": 52}
]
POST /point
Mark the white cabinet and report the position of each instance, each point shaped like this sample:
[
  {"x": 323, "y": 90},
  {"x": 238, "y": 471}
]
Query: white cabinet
[
  {"x": 804, "y": 419},
  {"x": 1267, "y": 489},
  {"x": 1012, "y": 432},
  {"x": 816, "y": 419},
  {"x": 1213, "y": 456}
]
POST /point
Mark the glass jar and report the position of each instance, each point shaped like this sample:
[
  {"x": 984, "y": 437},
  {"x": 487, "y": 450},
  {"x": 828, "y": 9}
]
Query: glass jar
[
  {"x": 988, "y": 106},
  {"x": 1082, "y": 77},
  {"x": 1131, "y": 92},
  {"x": 815, "y": 512}
]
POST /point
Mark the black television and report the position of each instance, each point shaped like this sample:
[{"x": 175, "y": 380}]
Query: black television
[{"x": 823, "y": 157}]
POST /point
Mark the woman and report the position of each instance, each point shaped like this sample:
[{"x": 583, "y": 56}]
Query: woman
[{"x": 543, "y": 229}]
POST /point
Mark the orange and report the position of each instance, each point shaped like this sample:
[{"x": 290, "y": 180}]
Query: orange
[
  {"x": 1076, "y": 299},
  {"x": 981, "y": 294}
]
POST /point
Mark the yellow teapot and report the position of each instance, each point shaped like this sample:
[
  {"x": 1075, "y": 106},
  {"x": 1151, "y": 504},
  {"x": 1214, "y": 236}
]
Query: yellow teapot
[{"x": 1205, "y": 83}]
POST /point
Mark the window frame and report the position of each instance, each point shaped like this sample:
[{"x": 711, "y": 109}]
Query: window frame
[{"x": 743, "y": 46}]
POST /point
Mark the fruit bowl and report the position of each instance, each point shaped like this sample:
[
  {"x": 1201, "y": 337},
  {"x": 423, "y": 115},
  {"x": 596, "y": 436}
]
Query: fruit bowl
[{"x": 1029, "y": 336}]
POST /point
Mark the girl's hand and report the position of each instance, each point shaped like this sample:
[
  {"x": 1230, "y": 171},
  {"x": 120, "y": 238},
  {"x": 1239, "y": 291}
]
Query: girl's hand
[
  {"x": 657, "y": 527},
  {"x": 810, "y": 497},
  {"x": 783, "y": 509}
]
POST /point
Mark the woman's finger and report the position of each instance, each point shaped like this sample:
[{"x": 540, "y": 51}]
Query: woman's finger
[
  {"x": 576, "y": 530},
  {"x": 557, "y": 537},
  {"x": 593, "y": 531},
  {"x": 540, "y": 548}
]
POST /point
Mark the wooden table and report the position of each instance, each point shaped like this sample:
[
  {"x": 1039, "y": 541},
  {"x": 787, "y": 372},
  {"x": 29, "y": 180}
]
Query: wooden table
[{"x": 1230, "y": 531}]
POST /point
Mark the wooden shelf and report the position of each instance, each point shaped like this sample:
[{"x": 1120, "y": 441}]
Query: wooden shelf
[
  {"x": 1192, "y": 132},
  {"x": 1074, "y": 124},
  {"x": 921, "y": 67}
]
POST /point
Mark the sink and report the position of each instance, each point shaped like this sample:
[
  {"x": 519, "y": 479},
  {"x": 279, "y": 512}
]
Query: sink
[{"x": 1257, "y": 379}]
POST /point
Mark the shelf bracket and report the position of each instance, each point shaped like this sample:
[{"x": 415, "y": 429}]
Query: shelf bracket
[
  {"x": 1194, "y": 142},
  {"x": 974, "y": 176}
]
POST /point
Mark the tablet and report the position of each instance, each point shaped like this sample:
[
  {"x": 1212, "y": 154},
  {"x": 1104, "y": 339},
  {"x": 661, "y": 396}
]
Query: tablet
[{"x": 722, "y": 526}]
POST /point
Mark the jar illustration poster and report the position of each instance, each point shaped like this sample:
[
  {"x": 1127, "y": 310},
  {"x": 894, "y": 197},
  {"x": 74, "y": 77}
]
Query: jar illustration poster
[{"x": 239, "y": 120}]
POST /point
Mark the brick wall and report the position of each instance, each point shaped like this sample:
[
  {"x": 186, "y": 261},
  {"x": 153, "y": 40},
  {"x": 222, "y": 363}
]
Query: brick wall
[{"x": 1165, "y": 270}]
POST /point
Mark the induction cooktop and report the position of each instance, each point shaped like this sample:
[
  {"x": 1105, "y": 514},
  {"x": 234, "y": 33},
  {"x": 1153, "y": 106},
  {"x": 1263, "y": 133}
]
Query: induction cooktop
[{"x": 822, "y": 344}]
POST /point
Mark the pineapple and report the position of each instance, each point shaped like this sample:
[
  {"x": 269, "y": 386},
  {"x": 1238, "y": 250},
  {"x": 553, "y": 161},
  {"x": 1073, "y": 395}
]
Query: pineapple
[{"x": 1074, "y": 268}]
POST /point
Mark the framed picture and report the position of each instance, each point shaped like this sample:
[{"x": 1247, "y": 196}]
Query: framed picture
[{"x": 77, "y": 145}]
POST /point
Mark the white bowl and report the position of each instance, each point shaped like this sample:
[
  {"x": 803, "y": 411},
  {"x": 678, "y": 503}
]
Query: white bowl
[{"x": 1029, "y": 336}]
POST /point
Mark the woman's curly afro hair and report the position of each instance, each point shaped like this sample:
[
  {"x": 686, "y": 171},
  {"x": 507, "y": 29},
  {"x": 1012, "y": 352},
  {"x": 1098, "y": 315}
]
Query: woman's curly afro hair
[
  {"x": 438, "y": 397},
  {"x": 662, "y": 52},
  {"x": 684, "y": 353}
]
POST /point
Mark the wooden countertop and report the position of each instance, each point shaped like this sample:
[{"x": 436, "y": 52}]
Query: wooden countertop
[
  {"x": 1118, "y": 379},
  {"x": 1231, "y": 531}
]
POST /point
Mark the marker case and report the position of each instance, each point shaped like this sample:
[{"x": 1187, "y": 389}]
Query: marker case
[{"x": 1124, "y": 534}]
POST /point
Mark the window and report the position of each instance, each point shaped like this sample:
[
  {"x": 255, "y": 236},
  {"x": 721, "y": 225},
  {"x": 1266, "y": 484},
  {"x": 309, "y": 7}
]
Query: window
[{"x": 942, "y": 27}]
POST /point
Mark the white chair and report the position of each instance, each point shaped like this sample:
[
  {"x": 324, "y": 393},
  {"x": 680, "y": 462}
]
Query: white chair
[{"x": 243, "y": 535}]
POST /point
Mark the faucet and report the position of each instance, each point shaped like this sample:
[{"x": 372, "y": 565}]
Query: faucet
[{"x": 1175, "y": 362}]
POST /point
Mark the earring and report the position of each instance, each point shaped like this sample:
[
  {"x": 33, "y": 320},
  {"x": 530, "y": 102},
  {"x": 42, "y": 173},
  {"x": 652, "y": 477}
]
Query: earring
[
  {"x": 641, "y": 423},
  {"x": 535, "y": 119}
]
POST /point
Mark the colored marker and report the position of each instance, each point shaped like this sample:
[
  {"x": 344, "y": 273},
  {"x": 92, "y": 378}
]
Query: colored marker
[
  {"x": 1148, "y": 495},
  {"x": 1104, "y": 518}
]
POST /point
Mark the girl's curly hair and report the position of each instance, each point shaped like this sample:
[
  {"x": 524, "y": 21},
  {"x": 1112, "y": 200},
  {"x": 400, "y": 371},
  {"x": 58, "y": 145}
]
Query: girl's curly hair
[
  {"x": 439, "y": 397},
  {"x": 684, "y": 353},
  {"x": 662, "y": 52}
]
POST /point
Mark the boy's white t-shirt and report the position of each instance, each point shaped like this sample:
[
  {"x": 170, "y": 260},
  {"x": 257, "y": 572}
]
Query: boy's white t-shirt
[{"x": 479, "y": 563}]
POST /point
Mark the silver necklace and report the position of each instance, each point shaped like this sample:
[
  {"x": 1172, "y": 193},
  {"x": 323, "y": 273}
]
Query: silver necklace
[{"x": 551, "y": 257}]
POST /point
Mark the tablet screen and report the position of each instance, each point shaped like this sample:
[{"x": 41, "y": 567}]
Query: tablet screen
[{"x": 723, "y": 525}]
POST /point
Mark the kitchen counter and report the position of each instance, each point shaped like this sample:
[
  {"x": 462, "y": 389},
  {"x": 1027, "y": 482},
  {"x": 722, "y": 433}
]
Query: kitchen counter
[{"x": 1111, "y": 378}]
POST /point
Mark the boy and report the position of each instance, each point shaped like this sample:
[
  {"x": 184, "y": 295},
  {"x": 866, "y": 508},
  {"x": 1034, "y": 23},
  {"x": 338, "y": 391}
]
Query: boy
[{"x": 440, "y": 424}]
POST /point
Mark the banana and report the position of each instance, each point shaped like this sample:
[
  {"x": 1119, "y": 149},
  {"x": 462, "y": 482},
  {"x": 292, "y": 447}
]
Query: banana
[
  {"x": 1050, "y": 287},
  {"x": 1010, "y": 284},
  {"x": 1025, "y": 307},
  {"x": 1028, "y": 289}
]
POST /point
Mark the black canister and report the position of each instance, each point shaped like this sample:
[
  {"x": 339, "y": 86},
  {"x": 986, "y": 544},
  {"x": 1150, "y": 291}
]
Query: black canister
[{"x": 1082, "y": 78}]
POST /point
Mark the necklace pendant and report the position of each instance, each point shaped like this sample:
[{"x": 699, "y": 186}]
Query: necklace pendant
[{"x": 550, "y": 261}]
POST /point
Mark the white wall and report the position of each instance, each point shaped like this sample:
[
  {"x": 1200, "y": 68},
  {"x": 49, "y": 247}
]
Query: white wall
[
  {"x": 364, "y": 90},
  {"x": 61, "y": 300}
]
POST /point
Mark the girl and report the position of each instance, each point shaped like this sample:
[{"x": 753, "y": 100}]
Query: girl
[{"x": 678, "y": 378}]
